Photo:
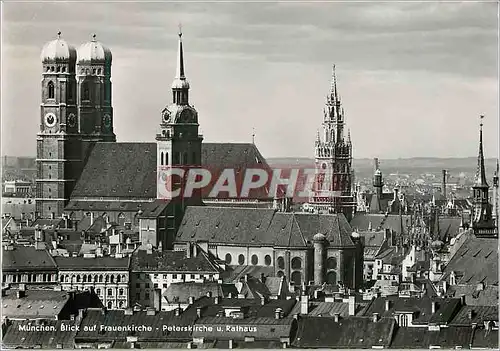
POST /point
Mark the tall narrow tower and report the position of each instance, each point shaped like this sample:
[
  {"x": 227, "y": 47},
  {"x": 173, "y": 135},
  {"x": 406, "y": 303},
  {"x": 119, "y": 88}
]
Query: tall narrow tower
[
  {"x": 95, "y": 111},
  {"x": 333, "y": 158},
  {"x": 58, "y": 140},
  {"x": 483, "y": 224},
  {"x": 495, "y": 196},
  {"x": 178, "y": 142}
]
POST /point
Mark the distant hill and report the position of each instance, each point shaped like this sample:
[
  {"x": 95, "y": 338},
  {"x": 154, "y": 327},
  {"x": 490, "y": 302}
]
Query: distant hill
[{"x": 417, "y": 165}]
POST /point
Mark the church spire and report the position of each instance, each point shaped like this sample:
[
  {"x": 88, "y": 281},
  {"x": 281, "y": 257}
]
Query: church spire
[
  {"x": 179, "y": 74},
  {"x": 180, "y": 85},
  {"x": 481, "y": 173}
]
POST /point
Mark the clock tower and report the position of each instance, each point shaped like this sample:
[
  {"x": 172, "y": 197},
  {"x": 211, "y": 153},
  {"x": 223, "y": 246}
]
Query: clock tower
[
  {"x": 178, "y": 142},
  {"x": 58, "y": 140}
]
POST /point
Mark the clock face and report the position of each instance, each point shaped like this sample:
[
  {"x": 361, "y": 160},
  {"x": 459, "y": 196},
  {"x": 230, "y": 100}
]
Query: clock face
[
  {"x": 50, "y": 120},
  {"x": 107, "y": 120},
  {"x": 166, "y": 116},
  {"x": 71, "y": 120}
]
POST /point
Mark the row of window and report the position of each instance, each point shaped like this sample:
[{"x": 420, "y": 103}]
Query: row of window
[
  {"x": 30, "y": 278},
  {"x": 179, "y": 158},
  {"x": 176, "y": 276},
  {"x": 51, "y": 91},
  {"x": 121, "y": 292},
  {"x": 331, "y": 263},
  {"x": 56, "y": 69},
  {"x": 296, "y": 278},
  {"x": 254, "y": 259},
  {"x": 91, "y": 278}
]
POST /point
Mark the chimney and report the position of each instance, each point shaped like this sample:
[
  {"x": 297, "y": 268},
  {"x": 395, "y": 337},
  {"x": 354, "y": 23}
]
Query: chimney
[
  {"x": 304, "y": 304},
  {"x": 198, "y": 312},
  {"x": 445, "y": 286},
  {"x": 129, "y": 311},
  {"x": 195, "y": 250},
  {"x": 470, "y": 314},
  {"x": 352, "y": 305},
  {"x": 217, "y": 300},
  {"x": 91, "y": 218},
  {"x": 375, "y": 318},
  {"x": 177, "y": 312},
  {"x": 277, "y": 313},
  {"x": 316, "y": 294},
  {"x": 336, "y": 316},
  {"x": 188, "y": 250},
  {"x": 191, "y": 300},
  {"x": 262, "y": 278},
  {"x": 209, "y": 294},
  {"x": 150, "y": 312},
  {"x": 230, "y": 344},
  {"x": 462, "y": 300},
  {"x": 52, "y": 215},
  {"x": 387, "y": 305},
  {"x": 433, "y": 307},
  {"x": 230, "y": 296},
  {"x": 443, "y": 185},
  {"x": 247, "y": 276},
  {"x": 487, "y": 325}
]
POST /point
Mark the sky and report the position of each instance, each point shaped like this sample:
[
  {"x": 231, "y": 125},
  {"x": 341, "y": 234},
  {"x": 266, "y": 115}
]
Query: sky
[{"x": 413, "y": 76}]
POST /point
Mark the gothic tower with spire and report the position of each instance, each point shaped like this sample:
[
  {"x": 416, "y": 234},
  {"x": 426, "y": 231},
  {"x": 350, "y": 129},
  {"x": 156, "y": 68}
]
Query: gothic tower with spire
[
  {"x": 495, "y": 196},
  {"x": 178, "y": 141},
  {"x": 483, "y": 224},
  {"x": 333, "y": 160}
]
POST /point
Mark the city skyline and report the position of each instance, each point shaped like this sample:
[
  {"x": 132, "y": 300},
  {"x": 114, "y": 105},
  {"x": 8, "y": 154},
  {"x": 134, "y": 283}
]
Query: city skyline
[{"x": 436, "y": 63}]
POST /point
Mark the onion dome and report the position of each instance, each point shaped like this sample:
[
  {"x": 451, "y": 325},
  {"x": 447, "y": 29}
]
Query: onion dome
[
  {"x": 319, "y": 237},
  {"x": 94, "y": 51},
  {"x": 58, "y": 50}
]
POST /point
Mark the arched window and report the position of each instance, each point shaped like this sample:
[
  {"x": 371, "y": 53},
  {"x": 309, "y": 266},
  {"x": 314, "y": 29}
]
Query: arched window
[
  {"x": 106, "y": 278},
  {"x": 120, "y": 292},
  {"x": 297, "y": 278},
  {"x": 78, "y": 278},
  {"x": 241, "y": 259},
  {"x": 296, "y": 263},
  {"x": 228, "y": 258},
  {"x": 267, "y": 260},
  {"x": 110, "y": 305},
  {"x": 85, "y": 92},
  {"x": 281, "y": 262},
  {"x": 110, "y": 292},
  {"x": 51, "y": 89},
  {"x": 403, "y": 320},
  {"x": 120, "y": 304},
  {"x": 84, "y": 278},
  {"x": 121, "y": 219},
  {"x": 331, "y": 263},
  {"x": 280, "y": 274},
  {"x": 100, "y": 278},
  {"x": 255, "y": 260},
  {"x": 112, "y": 279},
  {"x": 331, "y": 277},
  {"x": 162, "y": 161},
  {"x": 98, "y": 291},
  {"x": 118, "y": 278}
]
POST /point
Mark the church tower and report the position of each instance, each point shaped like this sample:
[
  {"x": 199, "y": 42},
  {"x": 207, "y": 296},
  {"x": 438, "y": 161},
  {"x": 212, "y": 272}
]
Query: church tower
[
  {"x": 178, "y": 141},
  {"x": 58, "y": 140},
  {"x": 333, "y": 160},
  {"x": 95, "y": 112},
  {"x": 495, "y": 196},
  {"x": 483, "y": 224}
]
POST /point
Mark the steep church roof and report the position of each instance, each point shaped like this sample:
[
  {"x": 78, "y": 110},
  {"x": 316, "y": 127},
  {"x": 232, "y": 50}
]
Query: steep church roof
[
  {"x": 128, "y": 170},
  {"x": 243, "y": 226}
]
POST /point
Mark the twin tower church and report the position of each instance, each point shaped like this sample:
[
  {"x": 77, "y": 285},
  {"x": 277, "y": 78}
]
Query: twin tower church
[{"x": 81, "y": 169}]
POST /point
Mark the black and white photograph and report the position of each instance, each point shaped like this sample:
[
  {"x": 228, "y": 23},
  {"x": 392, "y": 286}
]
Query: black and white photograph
[{"x": 250, "y": 174}]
